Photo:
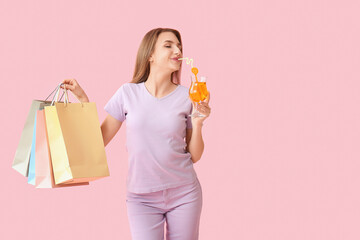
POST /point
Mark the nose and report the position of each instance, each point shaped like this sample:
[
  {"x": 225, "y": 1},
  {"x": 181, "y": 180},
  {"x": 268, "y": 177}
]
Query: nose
[{"x": 177, "y": 51}]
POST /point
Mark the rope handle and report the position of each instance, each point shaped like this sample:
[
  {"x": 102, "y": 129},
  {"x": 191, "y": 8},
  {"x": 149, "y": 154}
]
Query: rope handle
[{"x": 66, "y": 101}]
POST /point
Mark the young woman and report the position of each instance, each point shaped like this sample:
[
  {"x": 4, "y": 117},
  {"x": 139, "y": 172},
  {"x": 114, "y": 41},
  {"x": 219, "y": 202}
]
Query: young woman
[{"x": 163, "y": 143}]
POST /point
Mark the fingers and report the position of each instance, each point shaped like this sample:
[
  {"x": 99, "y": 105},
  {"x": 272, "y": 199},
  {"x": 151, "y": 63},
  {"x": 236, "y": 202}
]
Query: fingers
[
  {"x": 204, "y": 107},
  {"x": 68, "y": 81},
  {"x": 68, "y": 87},
  {"x": 69, "y": 84}
]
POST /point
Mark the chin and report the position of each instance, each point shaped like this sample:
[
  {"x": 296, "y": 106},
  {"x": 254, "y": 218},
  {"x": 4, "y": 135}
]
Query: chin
[{"x": 176, "y": 68}]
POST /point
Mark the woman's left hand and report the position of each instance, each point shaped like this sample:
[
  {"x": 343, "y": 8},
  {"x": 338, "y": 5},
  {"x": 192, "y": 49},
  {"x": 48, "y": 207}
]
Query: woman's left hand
[{"x": 204, "y": 108}]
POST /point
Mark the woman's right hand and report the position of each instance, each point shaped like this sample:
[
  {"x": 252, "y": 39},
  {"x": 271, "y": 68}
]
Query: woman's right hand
[{"x": 74, "y": 87}]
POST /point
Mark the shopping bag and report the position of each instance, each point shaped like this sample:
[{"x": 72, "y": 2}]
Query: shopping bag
[
  {"x": 44, "y": 177},
  {"x": 75, "y": 140},
  {"x": 22, "y": 154}
]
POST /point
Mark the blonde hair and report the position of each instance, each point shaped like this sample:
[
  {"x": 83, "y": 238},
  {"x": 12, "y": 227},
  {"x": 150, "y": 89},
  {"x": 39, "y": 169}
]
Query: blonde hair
[{"x": 147, "y": 47}]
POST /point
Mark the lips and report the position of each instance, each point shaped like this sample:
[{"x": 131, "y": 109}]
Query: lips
[{"x": 175, "y": 59}]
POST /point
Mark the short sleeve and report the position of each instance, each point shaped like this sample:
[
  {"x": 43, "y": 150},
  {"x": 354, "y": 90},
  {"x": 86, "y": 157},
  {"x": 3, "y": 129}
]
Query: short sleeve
[
  {"x": 116, "y": 105},
  {"x": 188, "y": 119}
]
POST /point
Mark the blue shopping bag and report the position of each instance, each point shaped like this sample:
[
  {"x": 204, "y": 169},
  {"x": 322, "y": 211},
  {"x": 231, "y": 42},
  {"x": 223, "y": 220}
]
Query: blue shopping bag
[{"x": 31, "y": 174}]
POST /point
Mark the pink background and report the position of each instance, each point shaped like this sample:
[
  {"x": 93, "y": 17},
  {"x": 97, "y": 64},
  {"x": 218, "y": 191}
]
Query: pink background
[{"x": 282, "y": 152}]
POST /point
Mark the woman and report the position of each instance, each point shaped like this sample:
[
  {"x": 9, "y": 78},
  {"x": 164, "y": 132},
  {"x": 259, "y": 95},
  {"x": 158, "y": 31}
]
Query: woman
[{"x": 163, "y": 143}]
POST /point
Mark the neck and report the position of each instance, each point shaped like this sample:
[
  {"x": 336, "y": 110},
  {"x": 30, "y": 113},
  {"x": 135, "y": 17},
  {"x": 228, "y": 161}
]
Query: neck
[{"x": 159, "y": 83}]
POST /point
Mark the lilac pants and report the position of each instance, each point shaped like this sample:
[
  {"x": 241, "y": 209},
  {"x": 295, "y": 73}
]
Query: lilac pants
[{"x": 179, "y": 207}]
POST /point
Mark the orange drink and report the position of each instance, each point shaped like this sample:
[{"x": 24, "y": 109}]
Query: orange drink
[{"x": 198, "y": 92}]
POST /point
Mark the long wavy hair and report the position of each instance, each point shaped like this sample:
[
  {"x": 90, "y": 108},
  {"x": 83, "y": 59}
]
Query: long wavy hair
[{"x": 147, "y": 47}]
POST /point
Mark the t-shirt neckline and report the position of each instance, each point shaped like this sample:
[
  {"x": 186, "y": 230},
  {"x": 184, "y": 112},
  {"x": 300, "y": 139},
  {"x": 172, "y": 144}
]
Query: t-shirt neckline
[{"x": 159, "y": 99}]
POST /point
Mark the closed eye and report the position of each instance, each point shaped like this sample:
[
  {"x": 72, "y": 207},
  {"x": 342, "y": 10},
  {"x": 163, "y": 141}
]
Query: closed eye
[{"x": 170, "y": 47}]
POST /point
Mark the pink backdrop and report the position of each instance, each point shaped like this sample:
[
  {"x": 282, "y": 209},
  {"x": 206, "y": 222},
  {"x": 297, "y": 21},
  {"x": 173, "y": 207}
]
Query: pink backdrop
[{"x": 282, "y": 149}]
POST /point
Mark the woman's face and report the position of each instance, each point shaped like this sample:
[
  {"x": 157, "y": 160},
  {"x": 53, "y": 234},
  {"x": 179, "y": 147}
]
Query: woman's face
[{"x": 167, "y": 51}]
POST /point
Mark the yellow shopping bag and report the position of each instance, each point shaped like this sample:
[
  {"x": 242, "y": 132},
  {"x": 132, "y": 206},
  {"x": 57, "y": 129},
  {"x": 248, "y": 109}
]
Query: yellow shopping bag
[
  {"x": 44, "y": 177},
  {"x": 75, "y": 140}
]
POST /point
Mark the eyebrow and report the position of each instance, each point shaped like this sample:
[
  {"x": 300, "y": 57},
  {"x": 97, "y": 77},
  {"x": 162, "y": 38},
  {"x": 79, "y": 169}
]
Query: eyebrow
[{"x": 172, "y": 42}]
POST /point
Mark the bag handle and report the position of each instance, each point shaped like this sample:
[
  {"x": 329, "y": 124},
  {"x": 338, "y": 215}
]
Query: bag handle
[
  {"x": 66, "y": 100},
  {"x": 54, "y": 96}
]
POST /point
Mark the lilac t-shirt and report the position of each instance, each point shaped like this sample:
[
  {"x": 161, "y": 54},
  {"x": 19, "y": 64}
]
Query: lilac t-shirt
[{"x": 155, "y": 132}]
